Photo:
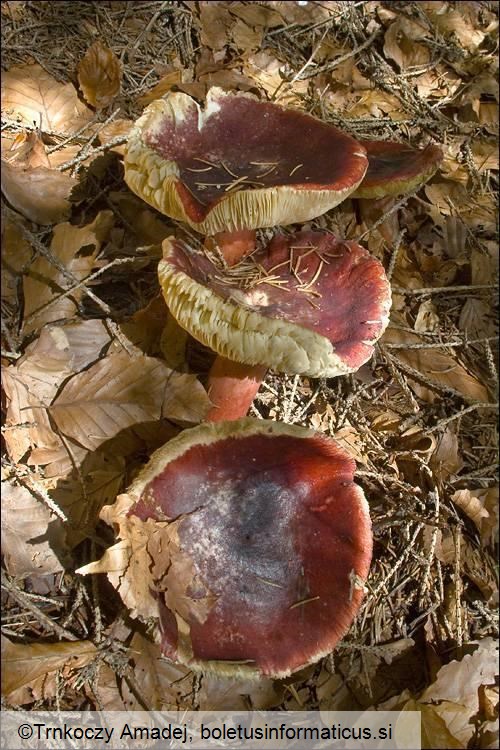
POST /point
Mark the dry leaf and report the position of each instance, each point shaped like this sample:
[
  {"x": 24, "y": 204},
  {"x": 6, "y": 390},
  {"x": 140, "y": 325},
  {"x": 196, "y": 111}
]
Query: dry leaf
[
  {"x": 99, "y": 75},
  {"x": 401, "y": 45},
  {"x": 39, "y": 193},
  {"x": 471, "y": 505},
  {"x": 477, "y": 318},
  {"x": 216, "y": 22},
  {"x": 121, "y": 390},
  {"x": 31, "y": 384},
  {"x": 246, "y": 37},
  {"x": 24, "y": 663},
  {"x": 446, "y": 461},
  {"x": 102, "y": 474},
  {"x": 27, "y": 543},
  {"x": 76, "y": 249},
  {"x": 164, "y": 85},
  {"x": 114, "y": 129},
  {"x": 482, "y": 508},
  {"x": 32, "y": 96},
  {"x": 257, "y": 15},
  {"x": 427, "y": 319},
  {"x": 437, "y": 366},
  {"x": 434, "y": 731},
  {"x": 458, "y": 683},
  {"x": 145, "y": 327},
  {"x": 16, "y": 256}
]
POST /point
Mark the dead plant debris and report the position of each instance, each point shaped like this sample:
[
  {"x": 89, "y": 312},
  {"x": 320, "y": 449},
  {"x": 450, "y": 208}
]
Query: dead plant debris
[{"x": 87, "y": 395}]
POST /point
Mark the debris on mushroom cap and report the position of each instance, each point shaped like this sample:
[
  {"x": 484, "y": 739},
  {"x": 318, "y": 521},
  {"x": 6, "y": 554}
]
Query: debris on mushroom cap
[
  {"x": 311, "y": 304},
  {"x": 394, "y": 168},
  {"x": 240, "y": 163},
  {"x": 255, "y": 543}
]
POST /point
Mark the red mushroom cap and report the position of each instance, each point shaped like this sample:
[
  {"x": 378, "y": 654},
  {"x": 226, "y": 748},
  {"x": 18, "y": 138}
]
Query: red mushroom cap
[
  {"x": 394, "y": 168},
  {"x": 310, "y": 304},
  {"x": 265, "y": 543},
  {"x": 240, "y": 163}
]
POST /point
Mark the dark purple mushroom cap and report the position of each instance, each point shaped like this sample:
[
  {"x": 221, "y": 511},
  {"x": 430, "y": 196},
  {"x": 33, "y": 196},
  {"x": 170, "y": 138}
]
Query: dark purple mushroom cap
[
  {"x": 263, "y": 545},
  {"x": 310, "y": 304},
  {"x": 395, "y": 169},
  {"x": 240, "y": 163}
]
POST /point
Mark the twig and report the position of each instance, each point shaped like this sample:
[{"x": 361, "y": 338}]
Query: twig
[
  {"x": 443, "y": 422},
  {"x": 42, "y": 618}
]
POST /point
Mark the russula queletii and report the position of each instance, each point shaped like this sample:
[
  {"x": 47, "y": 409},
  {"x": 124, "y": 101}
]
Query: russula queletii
[
  {"x": 251, "y": 543},
  {"x": 393, "y": 170},
  {"x": 239, "y": 164},
  {"x": 309, "y": 304}
]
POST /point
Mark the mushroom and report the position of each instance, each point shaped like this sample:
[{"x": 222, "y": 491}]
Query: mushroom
[
  {"x": 238, "y": 165},
  {"x": 251, "y": 540},
  {"x": 310, "y": 305},
  {"x": 393, "y": 169}
]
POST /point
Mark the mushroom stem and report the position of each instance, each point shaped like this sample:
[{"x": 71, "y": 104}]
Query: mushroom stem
[
  {"x": 232, "y": 387},
  {"x": 235, "y": 245}
]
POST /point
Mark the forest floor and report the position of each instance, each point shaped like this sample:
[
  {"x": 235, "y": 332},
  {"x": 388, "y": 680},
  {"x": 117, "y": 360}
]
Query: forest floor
[{"x": 81, "y": 313}]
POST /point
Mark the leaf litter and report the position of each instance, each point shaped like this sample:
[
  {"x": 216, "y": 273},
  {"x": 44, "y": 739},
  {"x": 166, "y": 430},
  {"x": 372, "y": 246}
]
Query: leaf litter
[{"x": 88, "y": 394}]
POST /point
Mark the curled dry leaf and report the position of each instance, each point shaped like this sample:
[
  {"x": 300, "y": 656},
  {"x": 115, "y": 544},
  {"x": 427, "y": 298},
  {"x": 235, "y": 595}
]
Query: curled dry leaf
[
  {"x": 25, "y": 663},
  {"x": 76, "y": 248},
  {"x": 30, "y": 95},
  {"x": 39, "y": 193},
  {"x": 121, "y": 390},
  {"x": 99, "y": 75},
  {"x": 28, "y": 545},
  {"x": 481, "y": 506}
]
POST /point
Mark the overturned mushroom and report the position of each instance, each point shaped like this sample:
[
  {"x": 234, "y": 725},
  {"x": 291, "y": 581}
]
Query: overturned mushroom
[
  {"x": 310, "y": 305},
  {"x": 239, "y": 164},
  {"x": 250, "y": 540}
]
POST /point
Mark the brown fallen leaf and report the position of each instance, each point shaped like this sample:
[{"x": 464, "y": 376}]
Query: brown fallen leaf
[
  {"x": 446, "y": 459},
  {"x": 39, "y": 193},
  {"x": 437, "y": 366},
  {"x": 401, "y": 43},
  {"x": 116, "y": 128},
  {"x": 33, "y": 381},
  {"x": 166, "y": 686},
  {"x": 145, "y": 327},
  {"x": 43, "y": 278},
  {"x": 99, "y": 75},
  {"x": 31, "y": 95},
  {"x": 16, "y": 256},
  {"x": 121, "y": 390},
  {"x": 164, "y": 85},
  {"x": 216, "y": 23},
  {"x": 82, "y": 495},
  {"x": 27, "y": 543},
  {"x": 481, "y": 506},
  {"x": 457, "y": 685},
  {"x": 477, "y": 318},
  {"x": 24, "y": 663}
]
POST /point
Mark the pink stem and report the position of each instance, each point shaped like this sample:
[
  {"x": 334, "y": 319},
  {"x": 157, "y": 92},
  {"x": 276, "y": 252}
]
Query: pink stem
[
  {"x": 235, "y": 245},
  {"x": 232, "y": 387}
]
